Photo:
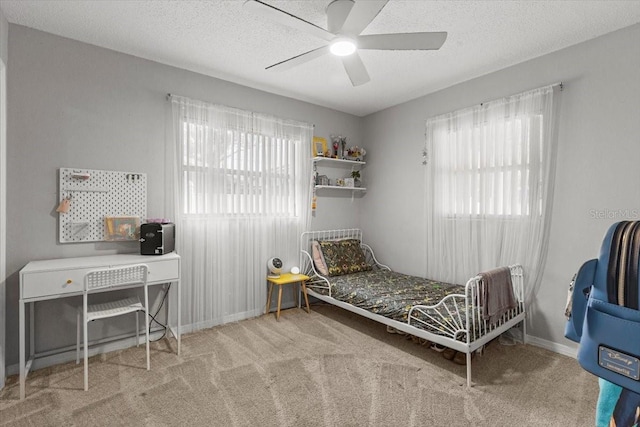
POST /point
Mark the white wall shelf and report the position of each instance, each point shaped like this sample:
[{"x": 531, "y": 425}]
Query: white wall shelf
[
  {"x": 337, "y": 187},
  {"x": 327, "y": 164},
  {"x": 328, "y": 161}
]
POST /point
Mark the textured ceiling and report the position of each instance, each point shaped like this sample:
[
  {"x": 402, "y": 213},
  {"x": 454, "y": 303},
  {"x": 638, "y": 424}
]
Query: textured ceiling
[{"x": 221, "y": 39}]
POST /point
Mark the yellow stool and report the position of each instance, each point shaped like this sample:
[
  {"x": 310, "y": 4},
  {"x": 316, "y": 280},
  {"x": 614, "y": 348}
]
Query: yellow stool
[{"x": 286, "y": 279}]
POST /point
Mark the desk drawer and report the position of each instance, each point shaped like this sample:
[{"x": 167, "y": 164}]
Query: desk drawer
[
  {"x": 42, "y": 284},
  {"x": 163, "y": 271}
]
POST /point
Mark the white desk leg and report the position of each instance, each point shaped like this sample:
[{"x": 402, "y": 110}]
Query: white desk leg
[
  {"x": 179, "y": 315},
  {"x": 32, "y": 333},
  {"x": 22, "y": 350}
]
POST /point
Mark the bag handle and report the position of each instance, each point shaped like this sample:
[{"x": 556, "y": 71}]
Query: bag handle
[{"x": 631, "y": 284}]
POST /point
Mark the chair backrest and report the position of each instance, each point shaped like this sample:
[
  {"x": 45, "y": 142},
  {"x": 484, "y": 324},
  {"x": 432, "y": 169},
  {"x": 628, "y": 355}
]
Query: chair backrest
[{"x": 115, "y": 276}]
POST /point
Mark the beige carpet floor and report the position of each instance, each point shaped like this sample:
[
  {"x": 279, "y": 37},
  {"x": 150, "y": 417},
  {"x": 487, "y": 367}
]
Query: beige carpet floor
[{"x": 327, "y": 368}]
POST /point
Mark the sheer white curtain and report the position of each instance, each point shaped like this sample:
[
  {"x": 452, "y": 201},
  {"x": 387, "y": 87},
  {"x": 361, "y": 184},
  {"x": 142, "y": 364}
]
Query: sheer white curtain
[
  {"x": 489, "y": 181},
  {"x": 242, "y": 185}
]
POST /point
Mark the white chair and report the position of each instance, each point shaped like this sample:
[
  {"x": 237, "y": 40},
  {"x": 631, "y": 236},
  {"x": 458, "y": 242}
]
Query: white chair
[{"x": 107, "y": 279}]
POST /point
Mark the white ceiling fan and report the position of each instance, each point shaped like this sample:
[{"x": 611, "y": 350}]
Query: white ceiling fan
[{"x": 346, "y": 19}]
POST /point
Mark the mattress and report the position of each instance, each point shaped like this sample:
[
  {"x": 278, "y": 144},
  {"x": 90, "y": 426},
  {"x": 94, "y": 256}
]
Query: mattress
[{"x": 388, "y": 293}]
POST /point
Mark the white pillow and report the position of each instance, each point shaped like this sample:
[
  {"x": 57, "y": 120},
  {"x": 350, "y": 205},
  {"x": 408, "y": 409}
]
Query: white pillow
[{"x": 318, "y": 258}]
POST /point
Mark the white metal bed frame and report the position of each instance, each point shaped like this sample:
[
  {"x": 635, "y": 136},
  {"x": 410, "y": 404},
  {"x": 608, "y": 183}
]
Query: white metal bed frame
[{"x": 459, "y": 320}]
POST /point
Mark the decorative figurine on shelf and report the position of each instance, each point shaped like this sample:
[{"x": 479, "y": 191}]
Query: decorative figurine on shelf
[
  {"x": 356, "y": 153},
  {"x": 339, "y": 143}
]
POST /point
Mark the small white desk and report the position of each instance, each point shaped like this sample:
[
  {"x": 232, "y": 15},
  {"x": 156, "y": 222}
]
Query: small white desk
[{"x": 62, "y": 278}]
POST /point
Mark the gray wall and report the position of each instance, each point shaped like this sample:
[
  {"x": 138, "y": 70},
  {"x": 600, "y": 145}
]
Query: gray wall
[
  {"x": 76, "y": 105},
  {"x": 597, "y": 163},
  {"x": 4, "y": 38}
]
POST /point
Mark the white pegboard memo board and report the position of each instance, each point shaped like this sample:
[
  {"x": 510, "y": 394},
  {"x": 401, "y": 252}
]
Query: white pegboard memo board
[{"x": 94, "y": 195}]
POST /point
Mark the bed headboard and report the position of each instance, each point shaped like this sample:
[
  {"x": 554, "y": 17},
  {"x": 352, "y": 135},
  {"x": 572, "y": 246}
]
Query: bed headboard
[{"x": 308, "y": 236}]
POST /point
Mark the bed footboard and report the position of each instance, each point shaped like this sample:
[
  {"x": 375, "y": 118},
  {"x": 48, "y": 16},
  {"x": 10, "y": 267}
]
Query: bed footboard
[{"x": 459, "y": 317}]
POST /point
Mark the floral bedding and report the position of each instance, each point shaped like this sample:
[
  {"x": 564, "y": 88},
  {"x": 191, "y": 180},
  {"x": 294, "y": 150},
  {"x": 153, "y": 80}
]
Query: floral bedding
[{"x": 388, "y": 293}]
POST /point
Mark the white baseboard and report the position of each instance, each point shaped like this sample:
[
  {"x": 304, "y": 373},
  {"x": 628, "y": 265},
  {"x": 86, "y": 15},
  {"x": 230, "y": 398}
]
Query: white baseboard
[
  {"x": 186, "y": 329},
  {"x": 553, "y": 346}
]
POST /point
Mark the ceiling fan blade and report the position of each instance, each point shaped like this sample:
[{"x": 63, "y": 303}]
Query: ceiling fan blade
[
  {"x": 361, "y": 15},
  {"x": 355, "y": 69},
  {"x": 299, "y": 59},
  {"x": 274, "y": 14},
  {"x": 337, "y": 13},
  {"x": 403, "y": 41}
]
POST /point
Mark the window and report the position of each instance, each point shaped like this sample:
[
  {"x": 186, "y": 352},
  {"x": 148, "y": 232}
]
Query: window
[
  {"x": 232, "y": 172},
  {"x": 492, "y": 168}
]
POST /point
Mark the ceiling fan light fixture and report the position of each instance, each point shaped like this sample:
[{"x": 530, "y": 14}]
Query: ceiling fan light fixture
[{"x": 342, "y": 46}]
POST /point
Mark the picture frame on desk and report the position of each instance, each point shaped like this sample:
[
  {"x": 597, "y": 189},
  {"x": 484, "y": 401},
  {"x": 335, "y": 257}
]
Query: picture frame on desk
[{"x": 121, "y": 228}]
